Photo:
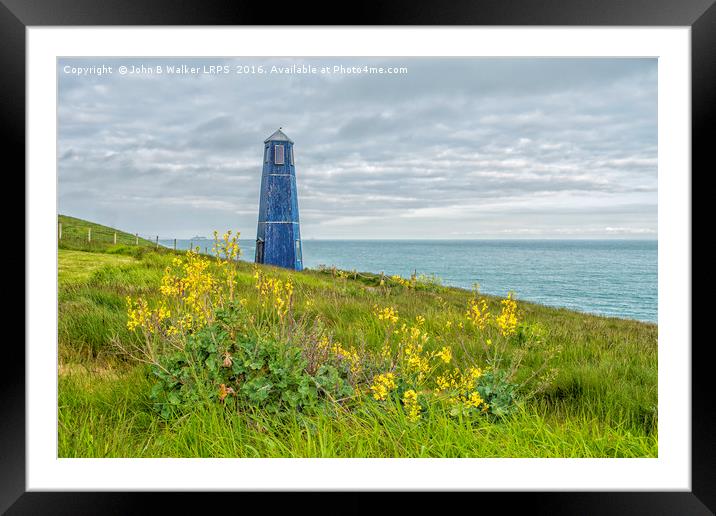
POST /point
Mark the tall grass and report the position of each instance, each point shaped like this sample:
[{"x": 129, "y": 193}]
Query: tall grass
[
  {"x": 601, "y": 404},
  {"x": 108, "y": 416}
]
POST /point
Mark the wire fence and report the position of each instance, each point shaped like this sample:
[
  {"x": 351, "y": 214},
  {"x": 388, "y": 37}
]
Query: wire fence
[
  {"x": 97, "y": 238},
  {"x": 89, "y": 238}
]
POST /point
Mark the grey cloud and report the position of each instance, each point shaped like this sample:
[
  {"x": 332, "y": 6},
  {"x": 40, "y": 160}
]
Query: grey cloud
[{"x": 484, "y": 147}]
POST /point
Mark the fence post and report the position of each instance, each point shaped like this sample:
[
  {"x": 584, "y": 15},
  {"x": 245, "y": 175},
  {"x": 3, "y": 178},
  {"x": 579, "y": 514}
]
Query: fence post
[
  {"x": 89, "y": 234},
  {"x": 136, "y": 240},
  {"x": 115, "y": 238},
  {"x": 60, "y": 230},
  {"x": 191, "y": 245},
  {"x": 157, "y": 241},
  {"x": 206, "y": 250},
  {"x": 175, "y": 244}
]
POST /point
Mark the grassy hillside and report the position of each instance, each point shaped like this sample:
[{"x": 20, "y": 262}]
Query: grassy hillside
[
  {"x": 600, "y": 402},
  {"x": 100, "y": 238}
]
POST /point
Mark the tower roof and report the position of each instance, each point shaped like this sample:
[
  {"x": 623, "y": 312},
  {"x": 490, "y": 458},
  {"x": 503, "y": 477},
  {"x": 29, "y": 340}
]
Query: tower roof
[{"x": 278, "y": 136}]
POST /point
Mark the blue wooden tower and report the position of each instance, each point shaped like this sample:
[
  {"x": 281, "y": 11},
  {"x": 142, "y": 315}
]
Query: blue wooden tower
[{"x": 278, "y": 237}]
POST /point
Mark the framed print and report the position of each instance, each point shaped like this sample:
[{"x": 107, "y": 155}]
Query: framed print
[{"x": 471, "y": 269}]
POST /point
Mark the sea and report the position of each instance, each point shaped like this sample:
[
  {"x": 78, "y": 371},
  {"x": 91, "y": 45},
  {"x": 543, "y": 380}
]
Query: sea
[{"x": 616, "y": 278}]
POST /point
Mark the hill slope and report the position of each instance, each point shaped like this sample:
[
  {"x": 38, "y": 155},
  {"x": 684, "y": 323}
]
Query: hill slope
[
  {"x": 88, "y": 236},
  {"x": 602, "y": 402}
]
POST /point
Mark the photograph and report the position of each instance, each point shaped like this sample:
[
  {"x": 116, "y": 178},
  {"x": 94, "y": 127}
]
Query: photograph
[{"x": 357, "y": 257}]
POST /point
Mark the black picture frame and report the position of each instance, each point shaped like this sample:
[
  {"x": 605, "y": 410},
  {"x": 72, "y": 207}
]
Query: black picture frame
[{"x": 700, "y": 15}]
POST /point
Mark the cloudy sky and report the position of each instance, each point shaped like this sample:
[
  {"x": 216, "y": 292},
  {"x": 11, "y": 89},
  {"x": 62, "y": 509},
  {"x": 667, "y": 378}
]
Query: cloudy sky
[{"x": 454, "y": 148}]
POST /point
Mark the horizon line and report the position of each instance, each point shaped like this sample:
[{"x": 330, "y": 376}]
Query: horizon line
[{"x": 450, "y": 239}]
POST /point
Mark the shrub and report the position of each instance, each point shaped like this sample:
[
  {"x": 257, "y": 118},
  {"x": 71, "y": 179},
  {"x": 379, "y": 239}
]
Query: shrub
[
  {"x": 207, "y": 344},
  {"x": 498, "y": 393},
  {"x": 245, "y": 369}
]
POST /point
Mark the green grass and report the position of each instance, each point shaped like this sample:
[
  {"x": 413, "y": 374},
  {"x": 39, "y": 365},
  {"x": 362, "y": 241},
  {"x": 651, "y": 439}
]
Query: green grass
[
  {"x": 106, "y": 416},
  {"x": 101, "y": 238},
  {"x": 602, "y": 403},
  {"x": 78, "y": 266}
]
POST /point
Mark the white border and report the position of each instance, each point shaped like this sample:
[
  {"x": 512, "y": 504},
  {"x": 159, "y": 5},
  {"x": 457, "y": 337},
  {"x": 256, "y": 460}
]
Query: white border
[{"x": 671, "y": 471}]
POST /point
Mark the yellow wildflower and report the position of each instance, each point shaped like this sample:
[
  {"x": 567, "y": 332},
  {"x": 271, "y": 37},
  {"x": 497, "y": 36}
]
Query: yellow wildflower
[
  {"x": 417, "y": 363},
  {"x": 382, "y": 385},
  {"x": 323, "y": 343},
  {"x": 349, "y": 355},
  {"x": 474, "y": 400},
  {"x": 163, "y": 313},
  {"x": 138, "y": 314},
  {"x": 446, "y": 381},
  {"x": 507, "y": 320},
  {"x": 445, "y": 354},
  {"x": 387, "y": 314},
  {"x": 473, "y": 374},
  {"x": 401, "y": 281},
  {"x": 274, "y": 292},
  {"x": 412, "y": 407},
  {"x": 477, "y": 313}
]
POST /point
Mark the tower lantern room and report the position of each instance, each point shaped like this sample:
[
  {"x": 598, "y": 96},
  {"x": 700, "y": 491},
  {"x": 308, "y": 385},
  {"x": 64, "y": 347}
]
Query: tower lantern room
[{"x": 278, "y": 236}]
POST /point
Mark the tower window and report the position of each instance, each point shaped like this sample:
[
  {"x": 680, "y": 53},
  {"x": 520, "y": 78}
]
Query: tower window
[
  {"x": 298, "y": 250},
  {"x": 266, "y": 154},
  {"x": 278, "y": 155},
  {"x": 292, "y": 161}
]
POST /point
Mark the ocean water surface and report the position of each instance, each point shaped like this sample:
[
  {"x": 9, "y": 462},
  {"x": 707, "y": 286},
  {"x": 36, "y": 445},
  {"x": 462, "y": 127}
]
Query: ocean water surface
[{"x": 608, "y": 277}]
